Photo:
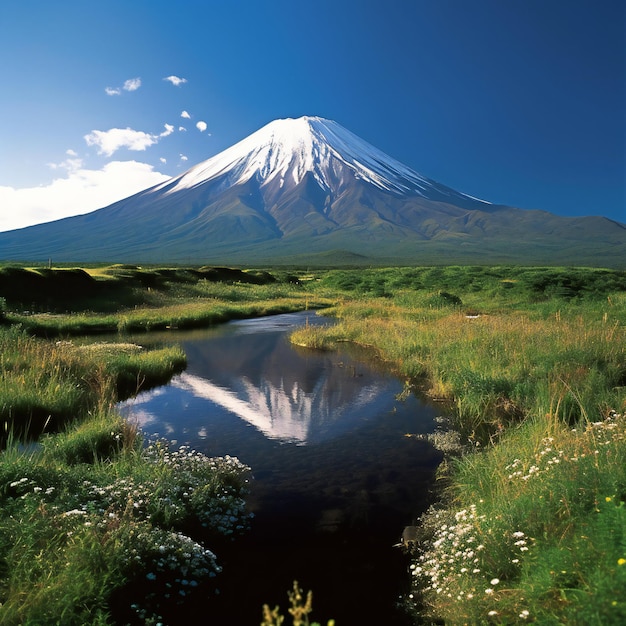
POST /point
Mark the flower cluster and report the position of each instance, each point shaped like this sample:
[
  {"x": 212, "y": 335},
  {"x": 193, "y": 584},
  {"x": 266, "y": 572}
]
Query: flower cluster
[
  {"x": 207, "y": 489},
  {"x": 607, "y": 431},
  {"x": 589, "y": 441},
  {"x": 546, "y": 458},
  {"x": 167, "y": 566},
  {"x": 142, "y": 519},
  {"x": 455, "y": 562}
]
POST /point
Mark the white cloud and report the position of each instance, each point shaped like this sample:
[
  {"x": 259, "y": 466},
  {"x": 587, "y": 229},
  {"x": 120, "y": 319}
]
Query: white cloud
[
  {"x": 182, "y": 129},
  {"x": 81, "y": 191},
  {"x": 108, "y": 141},
  {"x": 183, "y": 157},
  {"x": 175, "y": 80},
  {"x": 71, "y": 153},
  {"x": 163, "y": 160},
  {"x": 185, "y": 115},
  {"x": 71, "y": 164},
  {"x": 112, "y": 91},
  {"x": 201, "y": 126},
  {"x": 132, "y": 84}
]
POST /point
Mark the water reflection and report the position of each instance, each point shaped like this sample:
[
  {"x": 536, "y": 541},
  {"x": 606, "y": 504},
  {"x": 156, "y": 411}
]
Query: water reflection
[
  {"x": 252, "y": 372},
  {"x": 335, "y": 477}
]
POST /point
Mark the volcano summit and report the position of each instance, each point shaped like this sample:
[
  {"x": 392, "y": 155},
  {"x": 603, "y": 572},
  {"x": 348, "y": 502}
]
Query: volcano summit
[{"x": 307, "y": 190}]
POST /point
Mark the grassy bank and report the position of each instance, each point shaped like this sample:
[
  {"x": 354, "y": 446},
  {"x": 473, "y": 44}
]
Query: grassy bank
[
  {"x": 95, "y": 528},
  {"x": 44, "y": 384},
  {"x": 532, "y": 525},
  {"x": 129, "y": 300}
]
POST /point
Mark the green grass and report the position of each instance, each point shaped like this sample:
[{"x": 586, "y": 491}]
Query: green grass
[
  {"x": 44, "y": 384},
  {"x": 543, "y": 514},
  {"x": 531, "y": 526},
  {"x": 95, "y": 528}
]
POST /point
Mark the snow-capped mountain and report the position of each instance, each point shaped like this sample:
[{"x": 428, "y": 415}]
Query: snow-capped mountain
[
  {"x": 308, "y": 190},
  {"x": 285, "y": 151}
]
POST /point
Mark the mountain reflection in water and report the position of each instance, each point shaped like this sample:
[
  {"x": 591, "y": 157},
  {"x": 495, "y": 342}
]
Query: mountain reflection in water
[
  {"x": 252, "y": 371},
  {"x": 335, "y": 478}
]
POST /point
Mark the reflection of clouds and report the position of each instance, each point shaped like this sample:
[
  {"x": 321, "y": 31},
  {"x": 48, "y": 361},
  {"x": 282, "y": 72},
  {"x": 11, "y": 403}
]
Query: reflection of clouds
[
  {"x": 136, "y": 412},
  {"x": 139, "y": 416}
]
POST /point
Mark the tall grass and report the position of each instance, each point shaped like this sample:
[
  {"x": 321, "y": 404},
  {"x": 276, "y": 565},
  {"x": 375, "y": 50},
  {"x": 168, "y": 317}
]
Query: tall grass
[
  {"x": 495, "y": 368},
  {"x": 44, "y": 383},
  {"x": 532, "y": 523}
]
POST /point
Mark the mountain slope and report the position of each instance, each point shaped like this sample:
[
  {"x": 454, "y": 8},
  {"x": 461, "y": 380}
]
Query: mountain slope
[{"x": 305, "y": 187}]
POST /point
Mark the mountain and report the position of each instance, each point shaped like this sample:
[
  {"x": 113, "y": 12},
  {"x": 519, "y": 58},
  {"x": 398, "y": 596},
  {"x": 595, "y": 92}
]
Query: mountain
[{"x": 307, "y": 190}]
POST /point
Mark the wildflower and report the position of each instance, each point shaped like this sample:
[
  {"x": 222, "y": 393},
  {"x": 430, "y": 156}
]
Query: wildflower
[
  {"x": 494, "y": 581},
  {"x": 489, "y": 591},
  {"x": 492, "y": 613},
  {"x": 524, "y": 614},
  {"x": 621, "y": 562}
]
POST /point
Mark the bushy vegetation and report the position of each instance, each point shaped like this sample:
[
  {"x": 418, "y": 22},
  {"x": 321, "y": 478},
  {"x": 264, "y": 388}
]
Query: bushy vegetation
[
  {"x": 128, "y": 299},
  {"x": 95, "y": 528}
]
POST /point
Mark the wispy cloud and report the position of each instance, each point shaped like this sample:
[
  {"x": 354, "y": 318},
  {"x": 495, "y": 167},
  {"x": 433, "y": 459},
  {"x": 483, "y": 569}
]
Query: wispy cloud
[
  {"x": 132, "y": 84},
  {"x": 80, "y": 191},
  {"x": 201, "y": 126},
  {"x": 110, "y": 141},
  {"x": 71, "y": 164},
  {"x": 176, "y": 80},
  {"x": 185, "y": 115}
]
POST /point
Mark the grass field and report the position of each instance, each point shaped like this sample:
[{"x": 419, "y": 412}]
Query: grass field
[
  {"x": 531, "y": 362},
  {"x": 531, "y": 526}
]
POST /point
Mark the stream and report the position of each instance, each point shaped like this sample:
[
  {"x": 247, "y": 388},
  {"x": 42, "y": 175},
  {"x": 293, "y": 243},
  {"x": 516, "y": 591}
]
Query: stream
[{"x": 335, "y": 476}]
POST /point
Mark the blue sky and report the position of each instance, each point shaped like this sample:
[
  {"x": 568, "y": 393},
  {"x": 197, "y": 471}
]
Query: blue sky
[{"x": 519, "y": 102}]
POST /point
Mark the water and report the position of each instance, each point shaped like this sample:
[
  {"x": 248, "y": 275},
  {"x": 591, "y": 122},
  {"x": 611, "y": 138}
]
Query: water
[{"x": 335, "y": 476}]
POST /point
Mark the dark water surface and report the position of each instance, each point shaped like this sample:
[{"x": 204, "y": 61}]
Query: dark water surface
[{"x": 335, "y": 477}]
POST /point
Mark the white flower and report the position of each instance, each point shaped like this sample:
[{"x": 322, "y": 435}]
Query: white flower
[{"x": 494, "y": 581}]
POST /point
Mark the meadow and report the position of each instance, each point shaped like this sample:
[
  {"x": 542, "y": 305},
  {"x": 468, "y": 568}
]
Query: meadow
[
  {"x": 531, "y": 363},
  {"x": 528, "y": 363}
]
